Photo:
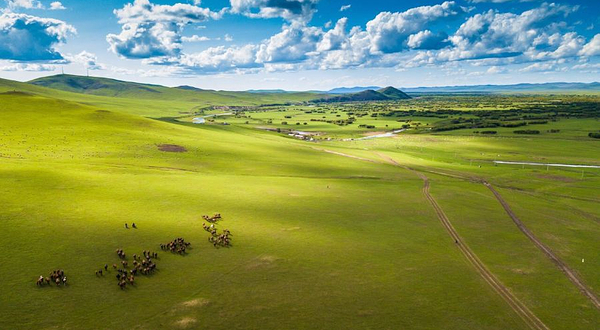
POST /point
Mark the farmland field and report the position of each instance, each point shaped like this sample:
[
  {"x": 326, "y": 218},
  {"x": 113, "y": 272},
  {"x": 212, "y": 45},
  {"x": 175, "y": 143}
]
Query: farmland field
[{"x": 329, "y": 229}]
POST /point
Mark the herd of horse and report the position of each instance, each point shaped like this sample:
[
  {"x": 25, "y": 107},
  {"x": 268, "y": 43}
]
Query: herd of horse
[
  {"x": 217, "y": 239},
  {"x": 56, "y": 276},
  {"x": 145, "y": 265}
]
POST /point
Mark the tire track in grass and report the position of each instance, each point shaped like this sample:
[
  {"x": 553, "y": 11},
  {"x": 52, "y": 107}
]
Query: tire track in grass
[
  {"x": 526, "y": 315},
  {"x": 515, "y": 304},
  {"x": 571, "y": 275}
]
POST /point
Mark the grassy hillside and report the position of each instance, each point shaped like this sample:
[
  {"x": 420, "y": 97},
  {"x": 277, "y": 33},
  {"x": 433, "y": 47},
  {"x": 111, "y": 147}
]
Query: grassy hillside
[
  {"x": 393, "y": 93},
  {"x": 117, "y": 88},
  {"x": 146, "y": 100}
]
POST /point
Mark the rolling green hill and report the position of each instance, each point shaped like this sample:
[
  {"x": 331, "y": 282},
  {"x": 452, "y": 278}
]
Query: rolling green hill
[
  {"x": 142, "y": 99},
  {"x": 98, "y": 86},
  {"x": 124, "y": 89}
]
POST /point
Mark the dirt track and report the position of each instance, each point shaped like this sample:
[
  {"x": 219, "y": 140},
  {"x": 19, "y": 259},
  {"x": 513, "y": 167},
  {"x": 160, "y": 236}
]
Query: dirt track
[
  {"x": 532, "y": 321},
  {"x": 571, "y": 275},
  {"x": 528, "y": 317}
]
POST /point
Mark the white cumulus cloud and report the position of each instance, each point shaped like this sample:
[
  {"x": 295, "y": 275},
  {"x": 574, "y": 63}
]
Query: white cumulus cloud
[
  {"x": 87, "y": 59},
  {"x": 57, "y": 5},
  {"x": 150, "y": 30},
  {"x": 30, "y": 38},
  {"x": 27, "y": 4},
  {"x": 291, "y": 10},
  {"x": 592, "y": 48},
  {"x": 27, "y": 67},
  {"x": 389, "y": 32},
  {"x": 195, "y": 38}
]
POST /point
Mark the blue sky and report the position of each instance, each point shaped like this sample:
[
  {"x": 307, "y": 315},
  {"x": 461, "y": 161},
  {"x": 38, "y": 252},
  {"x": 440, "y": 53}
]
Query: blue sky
[{"x": 303, "y": 44}]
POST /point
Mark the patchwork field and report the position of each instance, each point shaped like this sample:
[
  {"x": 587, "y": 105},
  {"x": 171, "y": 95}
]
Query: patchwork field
[{"x": 337, "y": 232}]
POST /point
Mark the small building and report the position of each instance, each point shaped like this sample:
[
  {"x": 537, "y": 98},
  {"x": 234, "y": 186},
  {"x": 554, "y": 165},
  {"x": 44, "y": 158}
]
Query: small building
[{"x": 199, "y": 120}]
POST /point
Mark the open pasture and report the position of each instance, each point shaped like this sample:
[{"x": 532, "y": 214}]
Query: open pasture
[{"x": 312, "y": 230}]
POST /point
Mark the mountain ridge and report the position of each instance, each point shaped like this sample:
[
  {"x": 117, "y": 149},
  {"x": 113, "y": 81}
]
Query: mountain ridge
[
  {"x": 384, "y": 94},
  {"x": 351, "y": 90},
  {"x": 100, "y": 86},
  {"x": 520, "y": 87}
]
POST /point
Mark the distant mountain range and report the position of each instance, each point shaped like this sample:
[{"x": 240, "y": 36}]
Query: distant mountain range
[
  {"x": 517, "y": 88},
  {"x": 384, "y": 94},
  {"x": 349, "y": 90}
]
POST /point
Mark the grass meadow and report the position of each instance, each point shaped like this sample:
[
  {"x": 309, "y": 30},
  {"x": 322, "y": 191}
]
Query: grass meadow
[{"x": 319, "y": 240}]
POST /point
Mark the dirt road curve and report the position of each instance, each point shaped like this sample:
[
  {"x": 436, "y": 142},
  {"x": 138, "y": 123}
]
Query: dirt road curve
[{"x": 571, "y": 275}]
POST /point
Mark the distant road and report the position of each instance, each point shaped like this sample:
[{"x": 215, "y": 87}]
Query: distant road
[{"x": 543, "y": 164}]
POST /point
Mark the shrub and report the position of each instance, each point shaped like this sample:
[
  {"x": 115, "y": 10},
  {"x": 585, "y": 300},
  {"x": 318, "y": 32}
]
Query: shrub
[
  {"x": 527, "y": 131},
  {"x": 517, "y": 124},
  {"x": 488, "y": 132},
  {"x": 594, "y": 135}
]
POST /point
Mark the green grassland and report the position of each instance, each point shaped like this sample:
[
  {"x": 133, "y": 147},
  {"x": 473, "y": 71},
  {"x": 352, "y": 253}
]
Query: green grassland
[
  {"x": 145, "y": 100},
  {"x": 319, "y": 240}
]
